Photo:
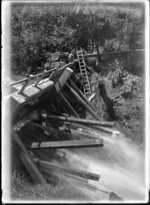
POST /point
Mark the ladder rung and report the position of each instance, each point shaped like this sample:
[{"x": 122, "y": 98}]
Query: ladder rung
[{"x": 86, "y": 87}]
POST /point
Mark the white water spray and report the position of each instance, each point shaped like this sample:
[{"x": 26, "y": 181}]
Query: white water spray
[{"x": 120, "y": 164}]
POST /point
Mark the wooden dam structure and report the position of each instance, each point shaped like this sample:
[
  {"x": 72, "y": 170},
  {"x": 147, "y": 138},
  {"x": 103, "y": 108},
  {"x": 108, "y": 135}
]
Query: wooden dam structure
[{"x": 44, "y": 120}]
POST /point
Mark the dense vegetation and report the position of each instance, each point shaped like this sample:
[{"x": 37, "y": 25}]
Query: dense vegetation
[{"x": 40, "y": 29}]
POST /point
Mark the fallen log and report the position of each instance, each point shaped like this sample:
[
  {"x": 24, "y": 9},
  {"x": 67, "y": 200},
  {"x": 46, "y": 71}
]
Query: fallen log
[
  {"x": 82, "y": 121},
  {"x": 67, "y": 144},
  {"x": 93, "y": 113},
  {"x": 81, "y": 173}
]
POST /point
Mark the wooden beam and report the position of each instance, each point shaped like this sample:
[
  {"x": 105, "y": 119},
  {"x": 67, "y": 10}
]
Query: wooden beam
[
  {"x": 73, "y": 132},
  {"x": 68, "y": 104},
  {"x": 67, "y": 144},
  {"x": 82, "y": 121},
  {"x": 81, "y": 94},
  {"x": 61, "y": 104},
  {"x": 90, "y": 129},
  {"x": 56, "y": 134},
  {"x": 81, "y": 173},
  {"x": 106, "y": 130},
  {"x": 83, "y": 102},
  {"x": 28, "y": 162}
]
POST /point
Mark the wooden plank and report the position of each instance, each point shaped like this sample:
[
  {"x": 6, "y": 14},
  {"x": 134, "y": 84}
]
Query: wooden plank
[
  {"x": 77, "y": 120},
  {"x": 77, "y": 172},
  {"x": 67, "y": 144},
  {"x": 63, "y": 78},
  {"x": 32, "y": 93},
  {"x": 28, "y": 162},
  {"x": 83, "y": 102}
]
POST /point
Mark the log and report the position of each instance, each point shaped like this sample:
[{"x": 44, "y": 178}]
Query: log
[
  {"x": 73, "y": 133},
  {"x": 81, "y": 173},
  {"x": 82, "y": 121},
  {"x": 106, "y": 130},
  {"x": 83, "y": 102},
  {"x": 55, "y": 133},
  {"x": 89, "y": 128},
  {"x": 28, "y": 162},
  {"x": 67, "y": 144},
  {"x": 68, "y": 104},
  {"x": 81, "y": 94}
]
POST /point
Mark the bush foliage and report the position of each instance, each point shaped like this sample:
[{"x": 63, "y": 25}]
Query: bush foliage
[{"x": 37, "y": 30}]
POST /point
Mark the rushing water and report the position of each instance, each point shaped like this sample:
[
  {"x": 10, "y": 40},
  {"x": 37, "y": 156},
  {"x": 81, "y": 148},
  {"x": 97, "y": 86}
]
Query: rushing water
[{"x": 120, "y": 164}]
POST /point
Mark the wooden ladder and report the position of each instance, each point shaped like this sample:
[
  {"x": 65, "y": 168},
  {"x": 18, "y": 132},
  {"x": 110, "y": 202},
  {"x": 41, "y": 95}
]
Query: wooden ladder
[{"x": 83, "y": 71}]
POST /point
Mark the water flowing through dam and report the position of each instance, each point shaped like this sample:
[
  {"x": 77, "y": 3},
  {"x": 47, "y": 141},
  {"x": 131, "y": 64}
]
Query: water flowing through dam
[{"x": 120, "y": 164}]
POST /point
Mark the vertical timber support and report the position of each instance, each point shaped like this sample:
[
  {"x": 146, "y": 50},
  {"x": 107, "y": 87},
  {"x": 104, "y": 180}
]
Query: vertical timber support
[
  {"x": 28, "y": 162},
  {"x": 25, "y": 84}
]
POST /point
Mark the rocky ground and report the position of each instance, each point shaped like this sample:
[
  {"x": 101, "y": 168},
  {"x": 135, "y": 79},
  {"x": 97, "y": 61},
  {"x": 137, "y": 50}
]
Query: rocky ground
[{"x": 127, "y": 91}]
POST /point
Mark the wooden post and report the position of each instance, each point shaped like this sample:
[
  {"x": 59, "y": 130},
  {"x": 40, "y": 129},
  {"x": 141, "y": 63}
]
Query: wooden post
[
  {"x": 26, "y": 159},
  {"x": 68, "y": 104},
  {"x": 82, "y": 121},
  {"x": 72, "y": 171},
  {"x": 83, "y": 102},
  {"x": 38, "y": 80},
  {"x": 81, "y": 94},
  {"x": 25, "y": 84}
]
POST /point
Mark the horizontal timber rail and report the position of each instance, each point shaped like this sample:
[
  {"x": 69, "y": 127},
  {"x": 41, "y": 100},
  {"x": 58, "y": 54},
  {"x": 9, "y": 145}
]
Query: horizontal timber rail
[
  {"x": 40, "y": 74},
  {"x": 34, "y": 76},
  {"x": 77, "y": 120},
  {"x": 67, "y": 144},
  {"x": 72, "y": 171}
]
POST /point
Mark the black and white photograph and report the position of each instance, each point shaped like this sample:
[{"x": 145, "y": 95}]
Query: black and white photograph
[{"x": 75, "y": 101}]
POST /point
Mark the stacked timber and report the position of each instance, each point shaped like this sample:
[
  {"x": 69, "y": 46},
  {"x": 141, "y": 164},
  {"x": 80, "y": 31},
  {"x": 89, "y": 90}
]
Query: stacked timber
[{"x": 55, "y": 124}]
